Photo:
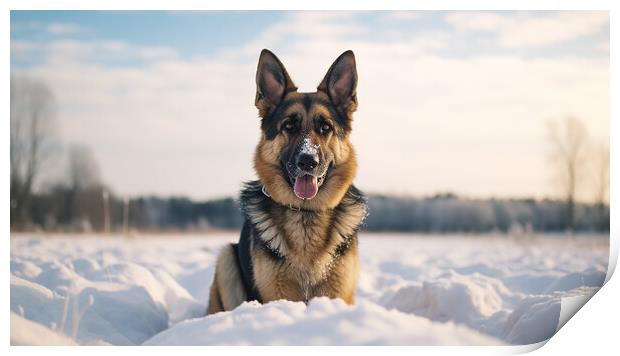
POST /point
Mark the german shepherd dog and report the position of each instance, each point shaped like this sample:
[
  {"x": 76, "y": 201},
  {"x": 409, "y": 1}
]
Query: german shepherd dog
[{"x": 299, "y": 238}]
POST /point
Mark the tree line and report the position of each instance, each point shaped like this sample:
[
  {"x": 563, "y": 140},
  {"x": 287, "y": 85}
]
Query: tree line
[
  {"x": 64, "y": 209},
  {"x": 450, "y": 213}
]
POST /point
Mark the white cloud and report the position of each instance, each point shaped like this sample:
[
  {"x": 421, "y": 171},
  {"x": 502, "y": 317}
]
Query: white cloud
[
  {"x": 19, "y": 48},
  {"x": 603, "y": 46},
  {"x": 425, "y": 123},
  {"x": 527, "y": 30},
  {"x": 74, "y": 50},
  {"x": 479, "y": 21},
  {"x": 401, "y": 15},
  {"x": 62, "y": 28}
]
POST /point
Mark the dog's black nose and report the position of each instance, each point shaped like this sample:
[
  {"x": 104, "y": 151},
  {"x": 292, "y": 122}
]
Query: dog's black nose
[{"x": 307, "y": 162}]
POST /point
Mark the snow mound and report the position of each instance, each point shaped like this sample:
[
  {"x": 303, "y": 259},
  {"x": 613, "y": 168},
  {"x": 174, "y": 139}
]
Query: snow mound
[
  {"x": 25, "y": 332},
  {"x": 99, "y": 299},
  {"x": 323, "y": 321},
  {"x": 476, "y": 296},
  {"x": 106, "y": 321},
  {"x": 535, "y": 320},
  {"x": 591, "y": 277},
  {"x": 414, "y": 290}
]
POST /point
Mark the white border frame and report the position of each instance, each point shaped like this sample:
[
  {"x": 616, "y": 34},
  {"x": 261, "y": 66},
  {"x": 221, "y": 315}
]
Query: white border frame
[{"x": 590, "y": 330}]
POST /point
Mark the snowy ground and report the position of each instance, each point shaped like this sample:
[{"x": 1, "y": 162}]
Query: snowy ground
[{"x": 413, "y": 290}]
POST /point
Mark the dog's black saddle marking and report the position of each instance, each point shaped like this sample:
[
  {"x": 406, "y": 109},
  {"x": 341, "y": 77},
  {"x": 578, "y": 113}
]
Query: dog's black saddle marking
[{"x": 244, "y": 261}]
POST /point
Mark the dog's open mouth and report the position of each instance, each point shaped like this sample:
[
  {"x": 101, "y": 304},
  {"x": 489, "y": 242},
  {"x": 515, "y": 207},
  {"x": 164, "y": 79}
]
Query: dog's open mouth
[{"x": 307, "y": 186}]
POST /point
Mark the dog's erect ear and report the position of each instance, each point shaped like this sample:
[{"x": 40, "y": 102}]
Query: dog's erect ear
[
  {"x": 272, "y": 82},
  {"x": 340, "y": 82}
]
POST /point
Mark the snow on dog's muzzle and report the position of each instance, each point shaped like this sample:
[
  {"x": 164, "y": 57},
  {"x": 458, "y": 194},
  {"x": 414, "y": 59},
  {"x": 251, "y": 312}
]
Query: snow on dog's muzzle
[{"x": 306, "y": 182}]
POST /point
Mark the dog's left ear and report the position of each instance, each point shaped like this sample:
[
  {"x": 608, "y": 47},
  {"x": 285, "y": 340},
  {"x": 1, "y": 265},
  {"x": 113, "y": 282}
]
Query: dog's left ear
[{"x": 340, "y": 82}]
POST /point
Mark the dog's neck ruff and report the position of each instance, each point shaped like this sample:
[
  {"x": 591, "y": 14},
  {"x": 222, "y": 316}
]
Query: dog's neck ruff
[{"x": 259, "y": 209}]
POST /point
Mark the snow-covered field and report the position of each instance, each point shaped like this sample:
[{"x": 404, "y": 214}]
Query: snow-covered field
[{"x": 413, "y": 290}]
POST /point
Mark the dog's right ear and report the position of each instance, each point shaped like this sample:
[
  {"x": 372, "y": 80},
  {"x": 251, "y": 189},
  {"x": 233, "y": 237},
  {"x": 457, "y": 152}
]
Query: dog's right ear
[{"x": 272, "y": 83}]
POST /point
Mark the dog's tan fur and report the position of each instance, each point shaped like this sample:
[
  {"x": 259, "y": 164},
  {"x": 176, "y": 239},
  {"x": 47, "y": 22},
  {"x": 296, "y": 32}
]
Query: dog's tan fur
[
  {"x": 308, "y": 239},
  {"x": 227, "y": 290}
]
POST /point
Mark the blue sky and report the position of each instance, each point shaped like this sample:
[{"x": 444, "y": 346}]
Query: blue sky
[
  {"x": 189, "y": 33},
  {"x": 450, "y": 87},
  {"x": 196, "y": 33}
]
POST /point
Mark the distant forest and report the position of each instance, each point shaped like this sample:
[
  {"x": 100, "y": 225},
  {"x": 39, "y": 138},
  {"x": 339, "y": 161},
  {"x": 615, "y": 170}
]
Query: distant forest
[{"x": 65, "y": 209}]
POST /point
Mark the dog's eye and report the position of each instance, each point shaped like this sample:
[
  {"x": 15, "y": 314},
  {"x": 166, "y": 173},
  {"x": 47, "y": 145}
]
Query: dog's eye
[
  {"x": 325, "y": 129},
  {"x": 289, "y": 126}
]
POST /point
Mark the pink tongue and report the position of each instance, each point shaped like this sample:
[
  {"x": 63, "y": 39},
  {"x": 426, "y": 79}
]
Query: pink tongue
[{"x": 306, "y": 187}]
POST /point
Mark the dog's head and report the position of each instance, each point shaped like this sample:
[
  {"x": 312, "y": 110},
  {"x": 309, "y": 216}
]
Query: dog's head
[{"x": 304, "y": 157}]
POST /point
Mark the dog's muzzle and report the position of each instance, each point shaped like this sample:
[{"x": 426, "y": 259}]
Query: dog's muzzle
[{"x": 303, "y": 177}]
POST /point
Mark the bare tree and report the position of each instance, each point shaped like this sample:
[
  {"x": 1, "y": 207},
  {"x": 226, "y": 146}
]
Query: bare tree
[
  {"x": 83, "y": 168},
  {"x": 601, "y": 178},
  {"x": 33, "y": 137},
  {"x": 85, "y": 188},
  {"x": 568, "y": 145}
]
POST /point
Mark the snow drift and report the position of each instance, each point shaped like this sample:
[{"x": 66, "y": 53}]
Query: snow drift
[{"x": 413, "y": 290}]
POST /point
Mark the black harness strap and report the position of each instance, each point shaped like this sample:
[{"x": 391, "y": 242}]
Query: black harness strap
[{"x": 244, "y": 260}]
